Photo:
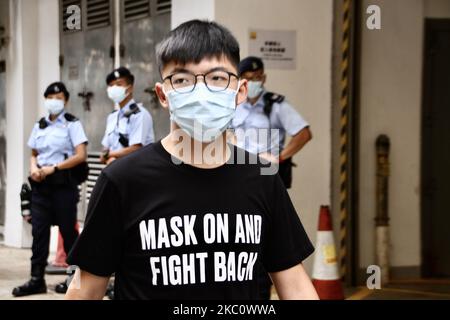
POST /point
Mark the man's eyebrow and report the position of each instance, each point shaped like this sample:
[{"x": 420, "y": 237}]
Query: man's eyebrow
[
  {"x": 180, "y": 69},
  {"x": 219, "y": 69}
]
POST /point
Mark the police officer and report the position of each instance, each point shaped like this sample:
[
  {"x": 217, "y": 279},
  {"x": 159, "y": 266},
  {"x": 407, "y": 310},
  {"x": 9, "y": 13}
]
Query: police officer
[
  {"x": 266, "y": 110},
  {"x": 128, "y": 128},
  {"x": 58, "y": 144}
]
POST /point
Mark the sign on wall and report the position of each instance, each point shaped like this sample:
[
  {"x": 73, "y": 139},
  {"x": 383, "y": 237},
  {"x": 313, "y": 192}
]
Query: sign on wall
[{"x": 278, "y": 48}]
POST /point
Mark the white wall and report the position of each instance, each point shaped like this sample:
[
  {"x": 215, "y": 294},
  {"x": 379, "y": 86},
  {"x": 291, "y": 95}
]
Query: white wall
[
  {"x": 390, "y": 104},
  {"x": 183, "y": 10},
  {"x": 391, "y": 85},
  {"x": 308, "y": 87},
  {"x": 19, "y": 61},
  {"x": 32, "y": 63},
  {"x": 437, "y": 8}
]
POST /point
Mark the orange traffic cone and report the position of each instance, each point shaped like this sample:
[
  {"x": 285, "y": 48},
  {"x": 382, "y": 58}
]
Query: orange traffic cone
[
  {"x": 61, "y": 254},
  {"x": 326, "y": 278}
]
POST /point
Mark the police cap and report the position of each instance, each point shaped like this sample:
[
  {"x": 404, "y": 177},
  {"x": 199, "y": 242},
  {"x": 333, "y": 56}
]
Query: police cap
[
  {"x": 55, "y": 88},
  {"x": 118, "y": 73},
  {"x": 250, "y": 64}
]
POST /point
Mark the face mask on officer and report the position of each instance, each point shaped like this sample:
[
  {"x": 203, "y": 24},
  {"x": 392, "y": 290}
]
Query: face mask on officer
[
  {"x": 255, "y": 88},
  {"x": 117, "y": 93},
  {"x": 203, "y": 114},
  {"x": 54, "y": 106}
]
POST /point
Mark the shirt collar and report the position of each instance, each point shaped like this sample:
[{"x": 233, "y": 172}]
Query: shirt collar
[
  {"x": 126, "y": 107},
  {"x": 59, "y": 118},
  {"x": 259, "y": 103}
]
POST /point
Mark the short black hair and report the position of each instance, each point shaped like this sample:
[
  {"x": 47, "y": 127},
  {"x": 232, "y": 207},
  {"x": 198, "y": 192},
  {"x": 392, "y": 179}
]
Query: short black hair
[{"x": 195, "y": 40}]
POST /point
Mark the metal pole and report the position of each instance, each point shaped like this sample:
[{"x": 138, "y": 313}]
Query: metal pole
[
  {"x": 382, "y": 216},
  {"x": 117, "y": 35}
]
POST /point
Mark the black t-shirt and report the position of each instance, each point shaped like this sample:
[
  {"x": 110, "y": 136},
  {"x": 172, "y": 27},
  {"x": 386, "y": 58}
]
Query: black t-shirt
[{"x": 174, "y": 231}]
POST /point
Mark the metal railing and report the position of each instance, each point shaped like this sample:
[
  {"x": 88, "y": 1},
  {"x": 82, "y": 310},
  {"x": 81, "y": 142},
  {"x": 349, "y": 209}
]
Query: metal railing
[{"x": 95, "y": 168}]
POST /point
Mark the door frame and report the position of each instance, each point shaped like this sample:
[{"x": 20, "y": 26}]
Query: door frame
[{"x": 430, "y": 26}]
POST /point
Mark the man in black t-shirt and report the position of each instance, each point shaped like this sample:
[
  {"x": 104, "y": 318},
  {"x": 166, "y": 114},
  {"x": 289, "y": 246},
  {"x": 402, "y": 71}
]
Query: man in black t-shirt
[{"x": 191, "y": 217}]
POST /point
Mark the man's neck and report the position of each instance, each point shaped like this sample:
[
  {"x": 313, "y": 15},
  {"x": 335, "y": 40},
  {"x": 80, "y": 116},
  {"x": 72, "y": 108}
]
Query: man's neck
[
  {"x": 125, "y": 101},
  {"x": 253, "y": 101},
  {"x": 53, "y": 117},
  {"x": 195, "y": 153}
]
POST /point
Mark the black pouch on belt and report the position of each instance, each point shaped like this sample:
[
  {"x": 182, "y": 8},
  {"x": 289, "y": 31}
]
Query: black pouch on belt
[
  {"x": 80, "y": 173},
  {"x": 60, "y": 177},
  {"x": 285, "y": 171}
]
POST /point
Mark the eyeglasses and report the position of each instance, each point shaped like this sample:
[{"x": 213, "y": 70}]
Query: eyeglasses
[{"x": 215, "y": 80}]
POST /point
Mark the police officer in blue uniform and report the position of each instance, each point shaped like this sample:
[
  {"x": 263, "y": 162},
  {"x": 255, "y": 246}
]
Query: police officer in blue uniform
[
  {"x": 271, "y": 113},
  {"x": 58, "y": 144},
  {"x": 128, "y": 128}
]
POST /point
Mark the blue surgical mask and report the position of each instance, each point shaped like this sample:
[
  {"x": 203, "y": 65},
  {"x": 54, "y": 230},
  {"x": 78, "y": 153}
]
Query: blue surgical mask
[
  {"x": 255, "y": 88},
  {"x": 202, "y": 114},
  {"x": 117, "y": 93},
  {"x": 54, "y": 106}
]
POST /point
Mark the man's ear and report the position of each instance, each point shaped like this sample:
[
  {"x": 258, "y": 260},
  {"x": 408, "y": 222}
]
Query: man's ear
[
  {"x": 130, "y": 89},
  {"x": 264, "y": 79},
  {"x": 242, "y": 92},
  {"x": 161, "y": 95}
]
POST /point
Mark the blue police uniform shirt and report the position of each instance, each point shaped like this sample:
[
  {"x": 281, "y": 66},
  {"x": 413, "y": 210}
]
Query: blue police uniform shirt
[
  {"x": 249, "y": 118},
  {"x": 138, "y": 128},
  {"x": 57, "y": 141}
]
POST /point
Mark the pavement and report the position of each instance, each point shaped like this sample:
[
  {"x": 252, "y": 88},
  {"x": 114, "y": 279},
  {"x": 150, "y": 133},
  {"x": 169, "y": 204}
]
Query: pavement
[
  {"x": 413, "y": 289},
  {"x": 15, "y": 269}
]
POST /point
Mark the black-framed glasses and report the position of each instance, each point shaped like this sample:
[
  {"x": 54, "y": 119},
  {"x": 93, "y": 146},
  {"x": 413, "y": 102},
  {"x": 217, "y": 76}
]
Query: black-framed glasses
[{"x": 215, "y": 80}]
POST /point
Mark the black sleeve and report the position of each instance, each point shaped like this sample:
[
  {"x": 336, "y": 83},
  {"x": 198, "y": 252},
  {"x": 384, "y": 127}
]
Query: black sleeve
[
  {"x": 286, "y": 243},
  {"x": 98, "y": 247}
]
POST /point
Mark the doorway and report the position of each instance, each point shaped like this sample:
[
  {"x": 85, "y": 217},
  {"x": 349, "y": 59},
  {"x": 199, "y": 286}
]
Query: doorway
[{"x": 435, "y": 192}]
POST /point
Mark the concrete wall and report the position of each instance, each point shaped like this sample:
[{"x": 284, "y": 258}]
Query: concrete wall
[{"x": 391, "y": 84}]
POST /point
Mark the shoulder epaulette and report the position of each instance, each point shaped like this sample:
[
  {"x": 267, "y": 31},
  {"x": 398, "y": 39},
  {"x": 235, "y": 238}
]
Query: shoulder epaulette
[
  {"x": 134, "y": 109},
  {"x": 274, "y": 97},
  {"x": 70, "y": 117},
  {"x": 269, "y": 99},
  {"x": 43, "y": 123}
]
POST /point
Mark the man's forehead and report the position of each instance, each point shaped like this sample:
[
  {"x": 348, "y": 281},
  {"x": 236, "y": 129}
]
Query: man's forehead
[
  {"x": 250, "y": 74},
  {"x": 59, "y": 94},
  {"x": 118, "y": 81},
  {"x": 203, "y": 66}
]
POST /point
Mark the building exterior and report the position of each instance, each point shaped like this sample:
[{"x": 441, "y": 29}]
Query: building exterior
[{"x": 388, "y": 95}]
